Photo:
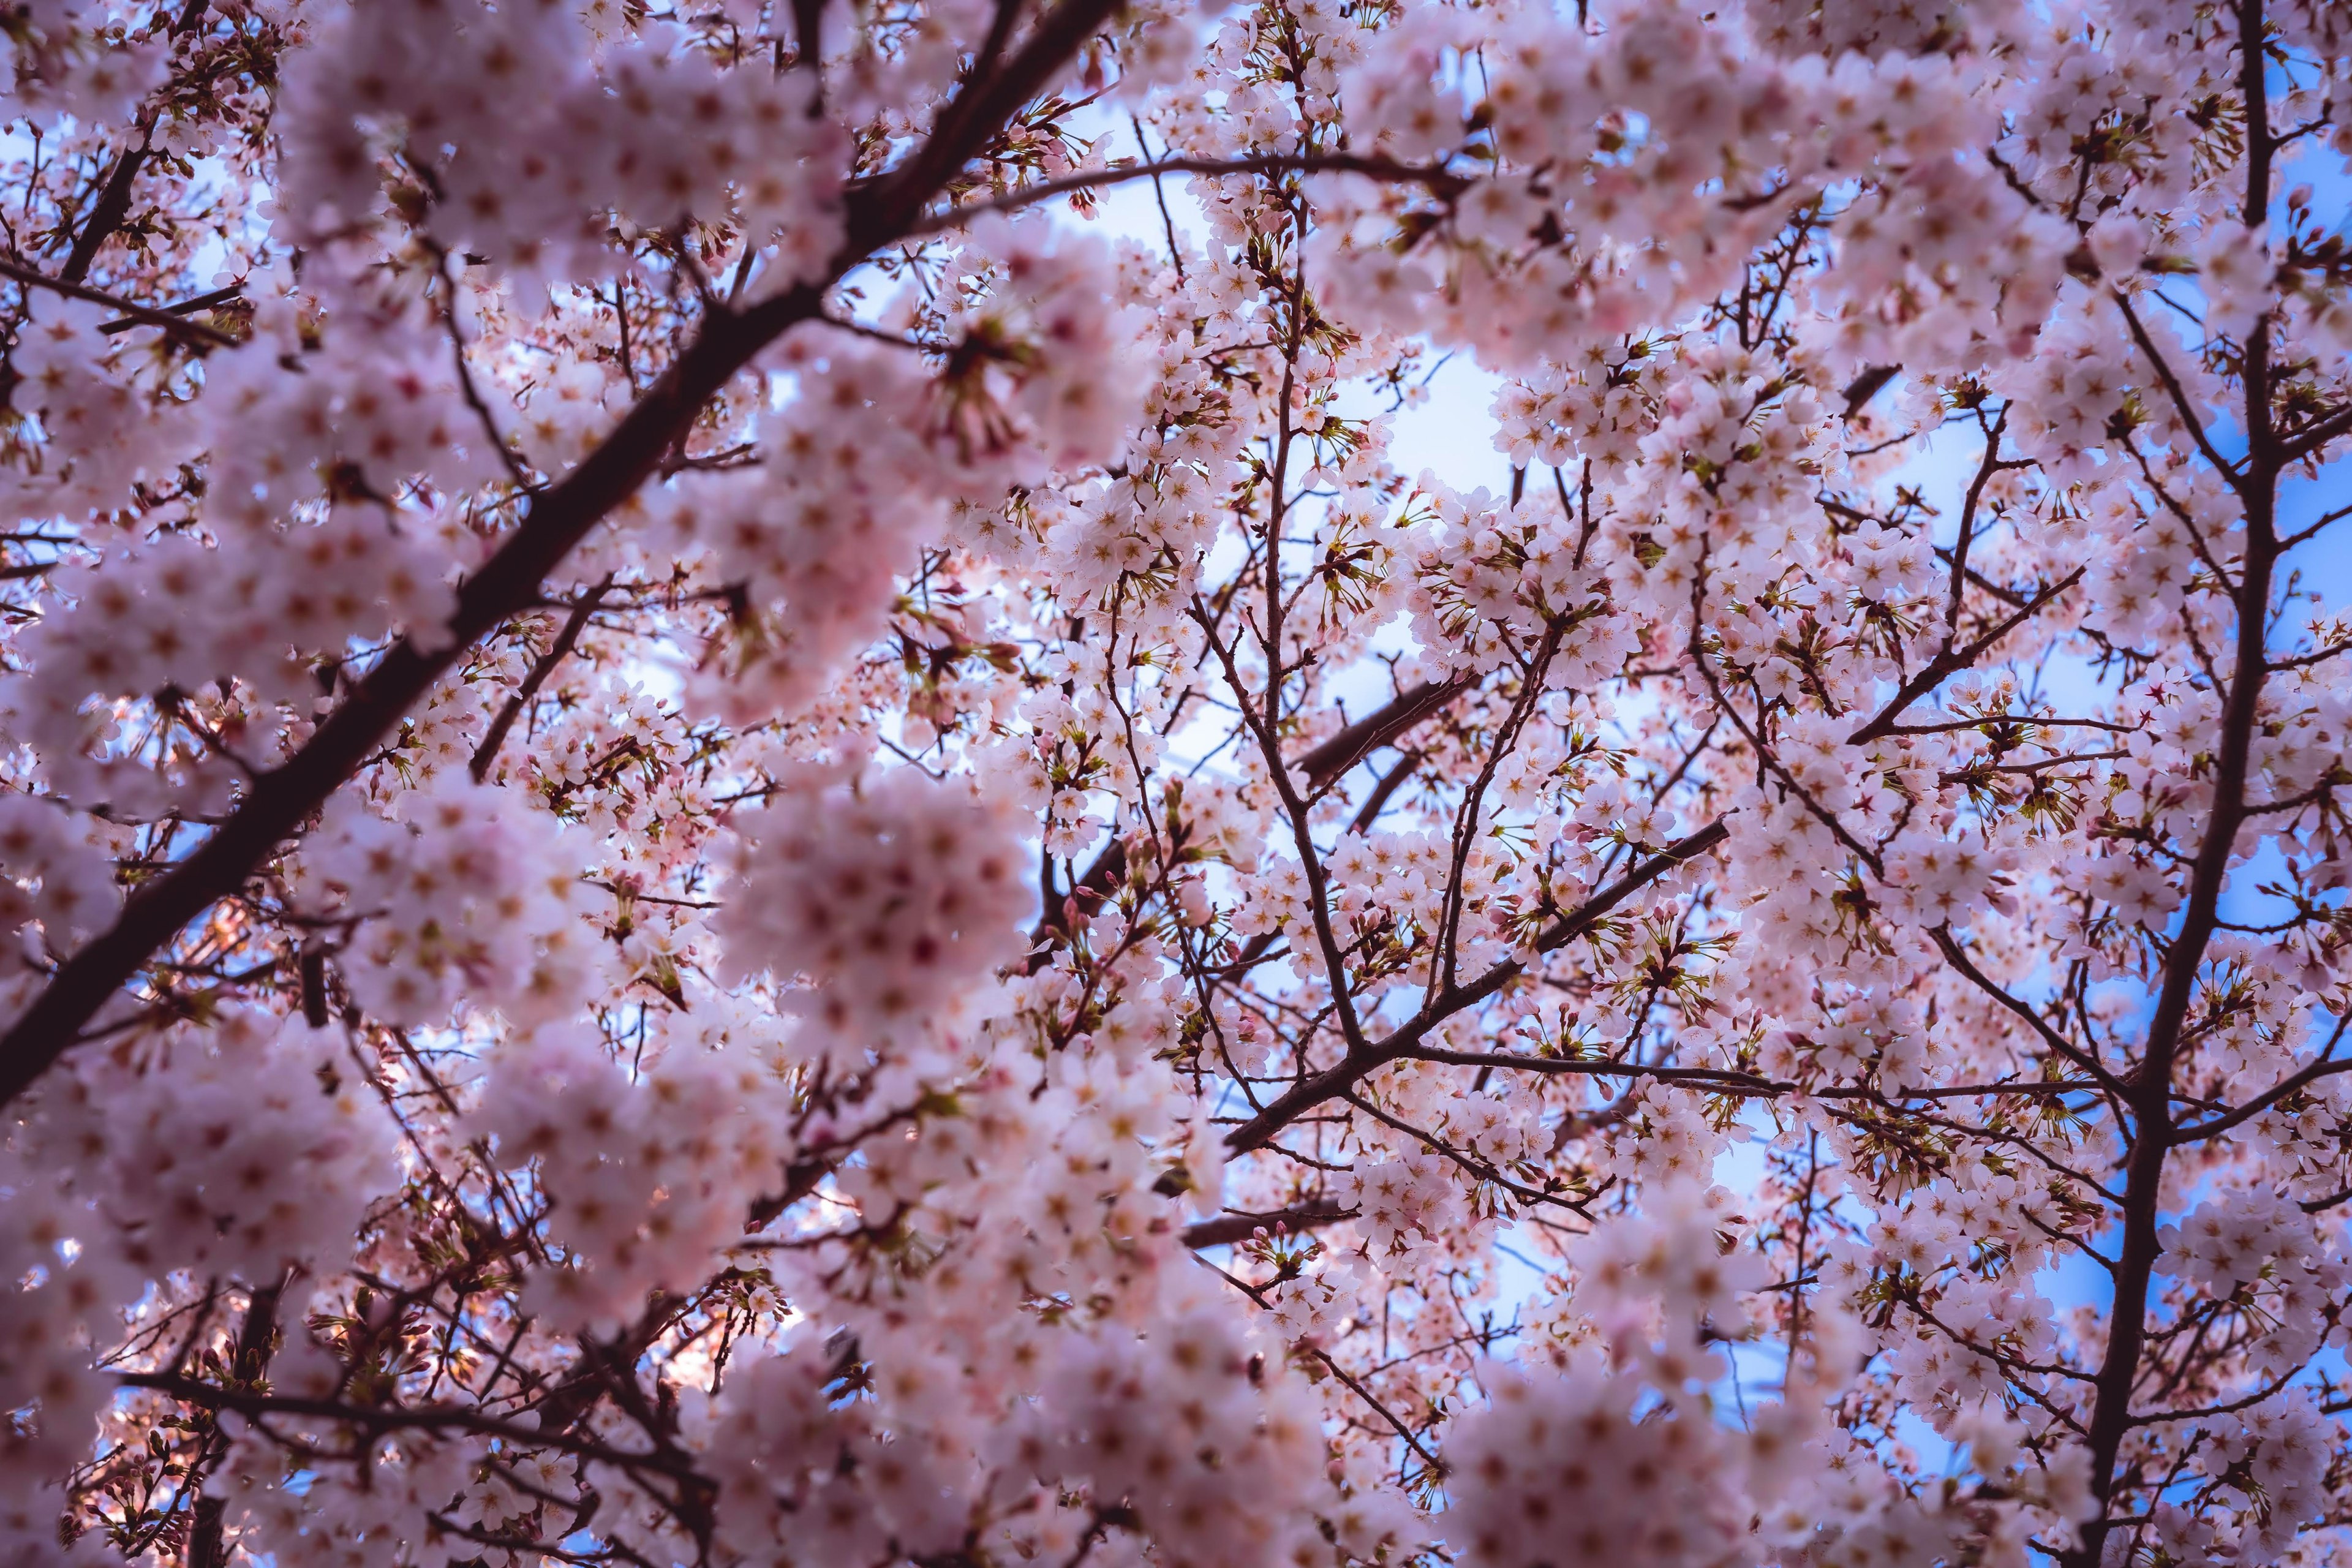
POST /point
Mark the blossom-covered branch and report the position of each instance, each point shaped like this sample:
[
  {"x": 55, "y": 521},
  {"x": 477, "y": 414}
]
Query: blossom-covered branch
[{"x": 1051, "y": 782}]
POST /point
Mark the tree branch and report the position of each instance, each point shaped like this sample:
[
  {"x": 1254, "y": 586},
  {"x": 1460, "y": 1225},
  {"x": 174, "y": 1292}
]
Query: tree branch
[
  {"x": 558, "y": 651},
  {"x": 113, "y": 206},
  {"x": 1324, "y": 763},
  {"x": 2111, "y": 1415},
  {"x": 1440, "y": 181},
  {"x": 1231, "y": 1227},
  {"x": 1303, "y": 1097},
  {"x": 280, "y": 801},
  {"x": 133, "y": 313}
]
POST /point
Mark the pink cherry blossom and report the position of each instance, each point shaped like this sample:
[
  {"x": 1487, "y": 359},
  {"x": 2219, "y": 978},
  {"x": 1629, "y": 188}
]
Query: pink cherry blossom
[{"x": 1088, "y": 785}]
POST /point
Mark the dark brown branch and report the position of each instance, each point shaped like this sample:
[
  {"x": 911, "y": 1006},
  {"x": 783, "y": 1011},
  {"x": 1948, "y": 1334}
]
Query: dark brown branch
[
  {"x": 2309, "y": 1075},
  {"x": 1094, "y": 887},
  {"x": 280, "y": 801},
  {"x": 586, "y": 1384},
  {"x": 1324, "y": 763},
  {"x": 2151, "y": 1092},
  {"x": 188, "y": 307},
  {"x": 1257, "y": 1294},
  {"x": 1958, "y": 959},
  {"x": 2181, "y": 403},
  {"x": 387, "y": 1418},
  {"x": 1441, "y": 182},
  {"x": 1952, "y": 660},
  {"x": 1304, "y": 1096},
  {"x": 1227, "y": 1228},
  {"x": 1732, "y": 1081},
  {"x": 2308, "y": 441},
  {"x": 1867, "y": 385},
  {"x": 113, "y": 206},
  {"x": 1383, "y": 792},
  {"x": 134, "y": 314},
  {"x": 256, "y": 1343},
  {"x": 558, "y": 651}
]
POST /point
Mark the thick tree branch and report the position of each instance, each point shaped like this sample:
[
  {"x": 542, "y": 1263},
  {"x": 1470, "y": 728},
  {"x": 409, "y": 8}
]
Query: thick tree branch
[
  {"x": 280, "y": 801},
  {"x": 113, "y": 206},
  {"x": 133, "y": 313},
  {"x": 378, "y": 1419},
  {"x": 1227, "y": 1228},
  {"x": 2151, "y": 1095},
  {"x": 1324, "y": 763}
]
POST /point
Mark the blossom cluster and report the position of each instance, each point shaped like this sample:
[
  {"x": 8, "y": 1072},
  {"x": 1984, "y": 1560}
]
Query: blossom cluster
[{"x": 754, "y": 811}]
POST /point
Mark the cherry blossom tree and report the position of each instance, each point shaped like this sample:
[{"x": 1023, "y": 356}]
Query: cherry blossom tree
[{"x": 730, "y": 835}]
